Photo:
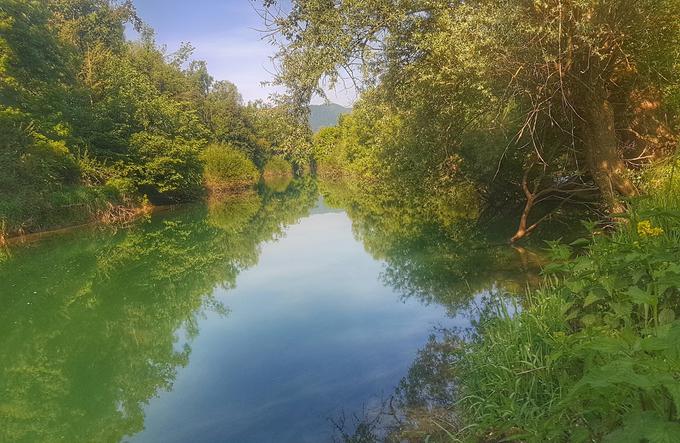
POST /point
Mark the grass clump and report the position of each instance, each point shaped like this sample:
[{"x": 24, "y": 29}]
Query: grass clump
[
  {"x": 227, "y": 169},
  {"x": 278, "y": 166}
]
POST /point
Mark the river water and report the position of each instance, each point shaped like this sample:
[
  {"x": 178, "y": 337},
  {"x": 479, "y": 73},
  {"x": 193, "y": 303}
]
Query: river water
[{"x": 269, "y": 317}]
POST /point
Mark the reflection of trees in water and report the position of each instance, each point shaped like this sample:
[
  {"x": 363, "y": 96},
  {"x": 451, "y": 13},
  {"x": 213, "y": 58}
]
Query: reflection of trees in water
[
  {"x": 433, "y": 257},
  {"x": 430, "y": 255},
  {"x": 277, "y": 183},
  {"x": 421, "y": 407},
  {"x": 91, "y": 322}
]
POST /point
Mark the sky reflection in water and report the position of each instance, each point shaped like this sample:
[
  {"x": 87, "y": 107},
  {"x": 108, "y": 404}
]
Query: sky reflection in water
[{"x": 311, "y": 332}]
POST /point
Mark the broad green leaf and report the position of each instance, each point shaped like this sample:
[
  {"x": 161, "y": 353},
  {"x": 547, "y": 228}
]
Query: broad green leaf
[
  {"x": 645, "y": 426},
  {"x": 590, "y": 299},
  {"x": 666, "y": 316},
  {"x": 639, "y": 296}
]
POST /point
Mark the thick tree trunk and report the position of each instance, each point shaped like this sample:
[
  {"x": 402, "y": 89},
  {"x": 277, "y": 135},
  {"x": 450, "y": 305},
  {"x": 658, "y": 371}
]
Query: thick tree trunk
[
  {"x": 601, "y": 157},
  {"x": 601, "y": 154}
]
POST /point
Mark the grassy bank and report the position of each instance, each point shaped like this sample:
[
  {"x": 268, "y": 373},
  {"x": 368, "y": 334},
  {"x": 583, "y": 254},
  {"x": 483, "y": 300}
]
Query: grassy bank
[
  {"x": 43, "y": 206},
  {"x": 594, "y": 355},
  {"x": 30, "y": 211}
]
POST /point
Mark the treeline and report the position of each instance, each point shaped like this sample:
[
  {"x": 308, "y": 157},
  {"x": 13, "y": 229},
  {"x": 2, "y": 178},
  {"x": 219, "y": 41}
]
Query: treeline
[
  {"x": 537, "y": 105},
  {"x": 93, "y": 125}
]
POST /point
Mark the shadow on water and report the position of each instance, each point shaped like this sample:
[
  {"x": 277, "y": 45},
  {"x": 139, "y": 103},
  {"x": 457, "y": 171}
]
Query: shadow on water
[{"x": 94, "y": 323}]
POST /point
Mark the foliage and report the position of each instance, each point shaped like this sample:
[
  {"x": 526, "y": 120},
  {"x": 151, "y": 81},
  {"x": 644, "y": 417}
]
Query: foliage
[
  {"x": 277, "y": 167},
  {"x": 84, "y": 111},
  {"x": 283, "y": 133},
  {"x": 540, "y": 102},
  {"x": 591, "y": 356},
  {"x": 227, "y": 168}
]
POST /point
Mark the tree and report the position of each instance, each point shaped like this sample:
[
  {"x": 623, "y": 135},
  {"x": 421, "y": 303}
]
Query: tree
[
  {"x": 565, "y": 91},
  {"x": 281, "y": 132},
  {"x": 91, "y": 123}
]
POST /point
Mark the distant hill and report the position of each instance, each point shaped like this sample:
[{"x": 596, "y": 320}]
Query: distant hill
[{"x": 322, "y": 116}]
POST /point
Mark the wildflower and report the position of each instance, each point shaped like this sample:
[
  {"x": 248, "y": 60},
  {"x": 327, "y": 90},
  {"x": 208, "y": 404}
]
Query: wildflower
[{"x": 645, "y": 229}]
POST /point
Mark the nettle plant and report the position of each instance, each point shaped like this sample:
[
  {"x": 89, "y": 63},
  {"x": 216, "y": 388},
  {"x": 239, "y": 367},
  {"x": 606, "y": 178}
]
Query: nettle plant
[{"x": 621, "y": 301}]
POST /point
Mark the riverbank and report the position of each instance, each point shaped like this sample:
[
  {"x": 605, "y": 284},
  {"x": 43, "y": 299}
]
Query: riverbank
[
  {"x": 593, "y": 354},
  {"x": 33, "y": 219},
  {"x": 29, "y": 212}
]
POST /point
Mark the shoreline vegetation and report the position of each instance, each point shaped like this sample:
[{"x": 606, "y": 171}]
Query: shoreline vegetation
[
  {"x": 95, "y": 127},
  {"x": 552, "y": 111},
  {"x": 593, "y": 354},
  {"x": 588, "y": 351}
]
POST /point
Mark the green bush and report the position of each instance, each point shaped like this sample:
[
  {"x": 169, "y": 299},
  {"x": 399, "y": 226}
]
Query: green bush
[
  {"x": 277, "y": 166},
  {"x": 277, "y": 183},
  {"x": 167, "y": 169},
  {"x": 48, "y": 162},
  {"x": 225, "y": 168},
  {"x": 595, "y": 354},
  {"x": 121, "y": 189}
]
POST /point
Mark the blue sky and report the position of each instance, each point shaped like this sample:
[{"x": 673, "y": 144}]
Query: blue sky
[{"x": 225, "y": 35}]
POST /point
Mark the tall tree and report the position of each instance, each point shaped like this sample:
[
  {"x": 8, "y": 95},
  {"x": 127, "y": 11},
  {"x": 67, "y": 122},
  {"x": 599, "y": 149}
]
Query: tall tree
[{"x": 567, "y": 88}]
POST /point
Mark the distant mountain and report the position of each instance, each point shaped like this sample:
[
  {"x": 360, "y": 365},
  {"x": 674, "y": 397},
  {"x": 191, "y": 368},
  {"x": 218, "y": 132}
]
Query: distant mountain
[{"x": 322, "y": 116}]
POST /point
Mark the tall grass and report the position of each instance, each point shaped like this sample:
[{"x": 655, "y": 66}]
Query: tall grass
[{"x": 29, "y": 210}]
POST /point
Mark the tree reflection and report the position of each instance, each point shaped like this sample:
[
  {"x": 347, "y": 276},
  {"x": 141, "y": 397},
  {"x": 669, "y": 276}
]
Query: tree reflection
[
  {"x": 436, "y": 253},
  {"x": 433, "y": 252},
  {"x": 95, "y": 323}
]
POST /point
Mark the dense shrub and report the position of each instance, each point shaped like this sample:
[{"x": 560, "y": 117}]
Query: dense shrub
[
  {"x": 169, "y": 169},
  {"x": 277, "y": 166},
  {"x": 225, "y": 168},
  {"x": 595, "y": 354}
]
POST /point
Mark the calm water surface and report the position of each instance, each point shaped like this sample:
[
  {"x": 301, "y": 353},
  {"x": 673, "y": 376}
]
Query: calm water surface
[{"x": 255, "y": 319}]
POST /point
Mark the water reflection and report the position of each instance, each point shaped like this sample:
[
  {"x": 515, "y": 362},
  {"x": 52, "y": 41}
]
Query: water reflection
[
  {"x": 99, "y": 332},
  {"x": 434, "y": 255},
  {"x": 95, "y": 323}
]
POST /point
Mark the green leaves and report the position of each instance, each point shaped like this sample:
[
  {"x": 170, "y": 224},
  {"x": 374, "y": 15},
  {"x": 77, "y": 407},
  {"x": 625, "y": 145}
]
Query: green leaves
[
  {"x": 640, "y": 297},
  {"x": 645, "y": 426},
  {"x": 606, "y": 329}
]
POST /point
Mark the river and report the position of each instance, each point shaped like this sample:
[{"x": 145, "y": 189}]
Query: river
[{"x": 269, "y": 317}]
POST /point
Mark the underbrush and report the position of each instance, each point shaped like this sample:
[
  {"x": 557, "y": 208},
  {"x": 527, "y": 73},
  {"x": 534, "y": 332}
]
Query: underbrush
[
  {"x": 278, "y": 166},
  {"x": 28, "y": 211},
  {"x": 227, "y": 169},
  {"x": 594, "y": 355}
]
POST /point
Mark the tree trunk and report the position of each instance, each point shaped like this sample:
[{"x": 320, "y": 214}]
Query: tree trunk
[
  {"x": 523, "y": 228},
  {"x": 601, "y": 155}
]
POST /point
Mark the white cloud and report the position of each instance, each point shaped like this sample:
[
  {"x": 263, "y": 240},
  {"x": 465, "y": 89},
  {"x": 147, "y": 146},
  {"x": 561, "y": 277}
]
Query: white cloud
[{"x": 225, "y": 36}]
